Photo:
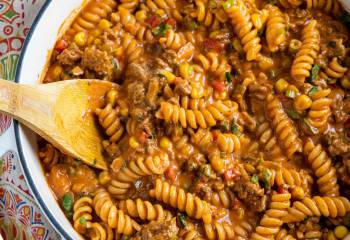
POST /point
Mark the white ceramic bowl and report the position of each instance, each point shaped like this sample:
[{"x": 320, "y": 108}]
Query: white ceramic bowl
[{"x": 40, "y": 40}]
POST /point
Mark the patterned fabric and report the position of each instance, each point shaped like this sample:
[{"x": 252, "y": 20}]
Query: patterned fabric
[{"x": 20, "y": 217}]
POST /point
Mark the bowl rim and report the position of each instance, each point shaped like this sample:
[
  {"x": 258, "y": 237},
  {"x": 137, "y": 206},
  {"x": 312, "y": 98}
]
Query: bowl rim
[{"x": 24, "y": 164}]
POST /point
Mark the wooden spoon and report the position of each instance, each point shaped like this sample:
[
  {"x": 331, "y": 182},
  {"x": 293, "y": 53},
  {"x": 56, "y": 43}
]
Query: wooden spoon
[{"x": 60, "y": 112}]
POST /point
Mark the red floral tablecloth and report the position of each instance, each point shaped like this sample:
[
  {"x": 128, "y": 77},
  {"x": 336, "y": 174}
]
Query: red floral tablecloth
[{"x": 20, "y": 217}]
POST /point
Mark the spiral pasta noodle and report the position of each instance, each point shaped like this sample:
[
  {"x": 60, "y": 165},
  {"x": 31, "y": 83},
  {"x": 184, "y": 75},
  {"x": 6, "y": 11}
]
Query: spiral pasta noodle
[
  {"x": 290, "y": 3},
  {"x": 228, "y": 142},
  {"x": 168, "y": 6},
  {"x": 283, "y": 235},
  {"x": 269, "y": 142},
  {"x": 335, "y": 69},
  {"x": 215, "y": 64},
  {"x": 202, "y": 139},
  {"x": 109, "y": 119},
  {"x": 134, "y": 27},
  {"x": 317, "y": 206},
  {"x": 49, "y": 155},
  {"x": 131, "y": 5},
  {"x": 82, "y": 210},
  {"x": 184, "y": 148},
  {"x": 89, "y": 18},
  {"x": 99, "y": 231},
  {"x": 203, "y": 118},
  {"x": 192, "y": 103},
  {"x": 285, "y": 130},
  {"x": 320, "y": 110},
  {"x": 272, "y": 219},
  {"x": 131, "y": 47},
  {"x": 321, "y": 165},
  {"x": 219, "y": 231},
  {"x": 172, "y": 40},
  {"x": 276, "y": 32},
  {"x": 109, "y": 214},
  {"x": 328, "y": 6},
  {"x": 305, "y": 57},
  {"x": 142, "y": 166},
  {"x": 192, "y": 235},
  {"x": 184, "y": 202},
  {"x": 144, "y": 210},
  {"x": 248, "y": 35},
  {"x": 244, "y": 229},
  {"x": 221, "y": 198},
  {"x": 205, "y": 15}
]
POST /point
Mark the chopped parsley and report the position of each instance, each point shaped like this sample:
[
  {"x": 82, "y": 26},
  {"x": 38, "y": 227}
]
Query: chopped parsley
[
  {"x": 293, "y": 114},
  {"x": 161, "y": 29},
  {"x": 223, "y": 127},
  {"x": 254, "y": 179},
  {"x": 228, "y": 77},
  {"x": 314, "y": 72},
  {"x": 82, "y": 221},
  {"x": 228, "y": 4},
  {"x": 235, "y": 129},
  {"x": 290, "y": 93},
  {"x": 67, "y": 202},
  {"x": 312, "y": 129},
  {"x": 182, "y": 219},
  {"x": 266, "y": 178},
  {"x": 312, "y": 91}
]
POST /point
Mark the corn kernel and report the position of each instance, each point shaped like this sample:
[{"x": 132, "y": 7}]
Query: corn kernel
[
  {"x": 302, "y": 102},
  {"x": 195, "y": 93},
  {"x": 218, "y": 164},
  {"x": 165, "y": 143},
  {"x": 331, "y": 236},
  {"x": 97, "y": 41},
  {"x": 80, "y": 39},
  {"x": 160, "y": 12},
  {"x": 298, "y": 193},
  {"x": 133, "y": 142},
  {"x": 340, "y": 231},
  {"x": 141, "y": 15},
  {"x": 281, "y": 85},
  {"x": 184, "y": 70},
  {"x": 293, "y": 88},
  {"x": 169, "y": 76},
  {"x": 104, "y": 24},
  {"x": 57, "y": 71},
  {"x": 118, "y": 52},
  {"x": 104, "y": 177},
  {"x": 112, "y": 97},
  {"x": 345, "y": 82},
  {"x": 265, "y": 63},
  {"x": 256, "y": 19},
  {"x": 124, "y": 112},
  {"x": 96, "y": 32}
]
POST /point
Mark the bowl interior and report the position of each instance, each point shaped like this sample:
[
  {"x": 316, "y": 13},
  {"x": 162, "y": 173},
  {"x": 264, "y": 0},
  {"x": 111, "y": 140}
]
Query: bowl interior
[{"x": 40, "y": 40}]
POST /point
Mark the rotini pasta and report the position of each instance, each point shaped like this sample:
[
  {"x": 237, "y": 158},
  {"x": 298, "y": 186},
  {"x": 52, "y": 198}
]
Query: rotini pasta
[
  {"x": 276, "y": 32},
  {"x": 305, "y": 57},
  {"x": 49, "y": 155},
  {"x": 219, "y": 231},
  {"x": 329, "y": 6},
  {"x": 321, "y": 165},
  {"x": 213, "y": 63},
  {"x": 82, "y": 214}
]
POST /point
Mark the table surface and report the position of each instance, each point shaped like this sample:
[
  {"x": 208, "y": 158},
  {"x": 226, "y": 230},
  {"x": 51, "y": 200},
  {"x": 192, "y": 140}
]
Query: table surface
[{"x": 20, "y": 216}]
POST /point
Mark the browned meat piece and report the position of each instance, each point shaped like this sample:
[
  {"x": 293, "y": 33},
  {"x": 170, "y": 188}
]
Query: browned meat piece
[
  {"x": 136, "y": 93},
  {"x": 158, "y": 230},
  {"x": 138, "y": 113},
  {"x": 251, "y": 194},
  {"x": 340, "y": 107},
  {"x": 152, "y": 92},
  {"x": 183, "y": 88},
  {"x": 338, "y": 143},
  {"x": 99, "y": 61},
  {"x": 343, "y": 171},
  {"x": 136, "y": 73},
  {"x": 69, "y": 56},
  {"x": 170, "y": 57}
]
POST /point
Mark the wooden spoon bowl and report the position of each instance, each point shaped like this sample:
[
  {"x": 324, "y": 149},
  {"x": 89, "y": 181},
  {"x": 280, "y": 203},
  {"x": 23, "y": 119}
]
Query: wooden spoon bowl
[{"x": 60, "y": 112}]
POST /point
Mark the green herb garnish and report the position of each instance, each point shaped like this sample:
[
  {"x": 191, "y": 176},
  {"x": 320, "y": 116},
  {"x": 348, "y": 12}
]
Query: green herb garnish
[
  {"x": 314, "y": 72},
  {"x": 161, "y": 29},
  {"x": 182, "y": 219},
  {"x": 254, "y": 179},
  {"x": 235, "y": 129},
  {"x": 223, "y": 127},
  {"x": 228, "y": 4},
  {"x": 312, "y": 91},
  {"x": 266, "y": 178},
  {"x": 67, "y": 202},
  {"x": 228, "y": 77},
  {"x": 293, "y": 114},
  {"x": 82, "y": 221},
  {"x": 291, "y": 94}
]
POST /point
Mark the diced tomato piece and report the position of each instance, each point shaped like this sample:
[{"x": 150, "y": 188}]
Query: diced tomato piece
[
  {"x": 154, "y": 21},
  {"x": 172, "y": 22},
  {"x": 232, "y": 174},
  {"x": 212, "y": 44},
  {"x": 61, "y": 45},
  {"x": 218, "y": 86},
  {"x": 143, "y": 137},
  {"x": 236, "y": 204},
  {"x": 281, "y": 189},
  {"x": 170, "y": 173}
]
